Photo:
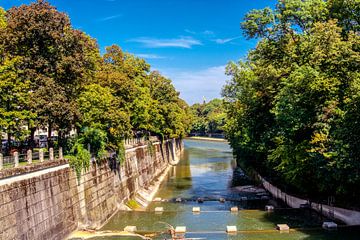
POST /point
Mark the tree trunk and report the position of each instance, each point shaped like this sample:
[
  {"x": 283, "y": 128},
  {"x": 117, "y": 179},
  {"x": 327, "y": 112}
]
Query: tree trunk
[
  {"x": 49, "y": 141},
  {"x": 9, "y": 144},
  {"x": 60, "y": 139},
  {"x": 32, "y": 141}
]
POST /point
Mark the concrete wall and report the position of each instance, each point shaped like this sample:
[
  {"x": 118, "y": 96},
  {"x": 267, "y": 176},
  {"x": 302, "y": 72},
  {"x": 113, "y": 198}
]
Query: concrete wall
[
  {"x": 347, "y": 216},
  {"x": 51, "y": 203}
]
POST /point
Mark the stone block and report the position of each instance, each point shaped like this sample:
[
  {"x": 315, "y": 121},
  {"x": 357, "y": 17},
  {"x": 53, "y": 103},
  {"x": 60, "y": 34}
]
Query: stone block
[
  {"x": 269, "y": 208},
  {"x": 329, "y": 225},
  {"x": 29, "y": 156},
  {"x": 196, "y": 209},
  {"x": 16, "y": 159},
  {"x": 282, "y": 227},
  {"x": 51, "y": 154},
  {"x": 130, "y": 229},
  {"x": 234, "y": 209},
  {"x": 61, "y": 153},
  {"x": 304, "y": 206},
  {"x": 180, "y": 229},
  {"x": 159, "y": 209},
  {"x": 231, "y": 229}
]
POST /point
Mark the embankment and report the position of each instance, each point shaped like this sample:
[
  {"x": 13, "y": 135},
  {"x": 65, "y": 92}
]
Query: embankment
[
  {"x": 347, "y": 216},
  {"x": 50, "y": 203}
]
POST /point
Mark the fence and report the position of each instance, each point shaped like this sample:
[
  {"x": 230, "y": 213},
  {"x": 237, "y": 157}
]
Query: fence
[
  {"x": 140, "y": 140},
  {"x": 39, "y": 155}
]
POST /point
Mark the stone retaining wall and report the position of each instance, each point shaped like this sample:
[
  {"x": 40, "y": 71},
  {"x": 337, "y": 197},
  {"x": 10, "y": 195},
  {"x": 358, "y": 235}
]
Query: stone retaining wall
[
  {"x": 52, "y": 202},
  {"x": 347, "y": 216}
]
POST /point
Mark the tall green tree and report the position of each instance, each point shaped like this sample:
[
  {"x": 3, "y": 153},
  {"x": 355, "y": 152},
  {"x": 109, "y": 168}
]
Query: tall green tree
[
  {"x": 290, "y": 105},
  {"x": 56, "y": 59},
  {"x": 14, "y": 96}
]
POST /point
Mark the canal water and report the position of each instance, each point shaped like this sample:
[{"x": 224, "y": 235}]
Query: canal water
[{"x": 206, "y": 173}]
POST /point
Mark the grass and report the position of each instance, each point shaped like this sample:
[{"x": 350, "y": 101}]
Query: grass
[
  {"x": 132, "y": 204},
  {"x": 23, "y": 163}
]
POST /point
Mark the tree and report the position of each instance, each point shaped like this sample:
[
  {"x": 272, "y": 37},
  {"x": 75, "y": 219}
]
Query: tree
[
  {"x": 291, "y": 104},
  {"x": 53, "y": 76},
  {"x": 56, "y": 59},
  {"x": 2, "y": 18},
  {"x": 14, "y": 95},
  {"x": 208, "y": 117},
  {"x": 99, "y": 110}
]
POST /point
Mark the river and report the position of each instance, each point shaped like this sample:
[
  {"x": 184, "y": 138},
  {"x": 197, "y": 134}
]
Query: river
[{"x": 206, "y": 172}]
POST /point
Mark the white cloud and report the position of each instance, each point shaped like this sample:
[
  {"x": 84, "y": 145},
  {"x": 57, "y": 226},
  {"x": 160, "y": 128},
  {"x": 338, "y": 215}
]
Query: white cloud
[
  {"x": 182, "y": 42},
  {"x": 208, "y": 32},
  {"x": 226, "y": 40},
  {"x": 149, "y": 56},
  {"x": 189, "y": 31},
  {"x": 196, "y": 85},
  {"x": 110, "y": 17}
]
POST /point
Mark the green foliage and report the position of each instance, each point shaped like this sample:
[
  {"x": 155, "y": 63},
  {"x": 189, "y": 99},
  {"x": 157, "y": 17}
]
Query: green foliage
[
  {"x": 52, "y": 75},
  {"x": 14, "y": 95},
  {"x": 80, "y": 158},
  {"x": 208, "y": 117},
  {"x": 121, "y": 153},
  {"x": 132, "y": 204},
  {"x": 55, "y": 62},
  {"x": 2, "y": 18},
  {"x": 96, "y": 139},
  {"x": 292, "y": 106}
]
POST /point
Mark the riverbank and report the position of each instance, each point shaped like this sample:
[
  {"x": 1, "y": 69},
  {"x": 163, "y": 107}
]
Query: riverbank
[
  {"x": 54, "y": 202},
  {"x": 349, "y": 217},
  {"x": 207, "y": 139}
]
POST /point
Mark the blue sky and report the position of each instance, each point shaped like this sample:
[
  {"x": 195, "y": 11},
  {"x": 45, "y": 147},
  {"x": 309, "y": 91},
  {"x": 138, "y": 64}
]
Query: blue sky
[{"x": 189, "y": 41}]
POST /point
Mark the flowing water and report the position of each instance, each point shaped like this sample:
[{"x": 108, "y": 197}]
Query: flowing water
[{"x": 206, "y": 171}]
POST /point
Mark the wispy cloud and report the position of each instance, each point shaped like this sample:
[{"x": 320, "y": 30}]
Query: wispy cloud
[
  {"x": 149, "y": 56},
  {"x": 189, "y": 31},
  {"x": 225, "y": 40},
  {"x": 182, "y": 42},
  {"x": 206, "y": 32},
  {"x": 110, "y": 17},
  {"x": 196, "y": 85}
]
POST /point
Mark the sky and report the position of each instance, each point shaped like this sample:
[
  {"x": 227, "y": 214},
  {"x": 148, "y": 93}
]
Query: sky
[{"x": 188, "y": 41}]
